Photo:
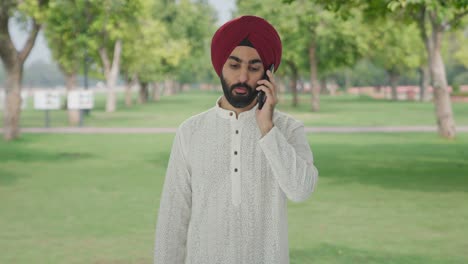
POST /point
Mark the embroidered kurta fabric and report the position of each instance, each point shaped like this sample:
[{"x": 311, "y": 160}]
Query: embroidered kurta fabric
[{"x": 224, "y": 198}]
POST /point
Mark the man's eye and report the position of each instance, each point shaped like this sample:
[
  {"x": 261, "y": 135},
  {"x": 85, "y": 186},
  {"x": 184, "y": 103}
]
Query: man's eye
[
  {"x": 255, "y": 69},
  {"x": 234, "y": 66}
]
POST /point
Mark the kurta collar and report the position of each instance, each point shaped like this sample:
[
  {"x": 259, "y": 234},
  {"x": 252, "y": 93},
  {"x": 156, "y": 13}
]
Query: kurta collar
[{"x": 228, "y": 114}]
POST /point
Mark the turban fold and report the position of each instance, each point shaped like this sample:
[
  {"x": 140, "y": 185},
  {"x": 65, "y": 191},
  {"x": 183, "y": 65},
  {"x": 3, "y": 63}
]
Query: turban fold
[{"x": 256, "y": 30}]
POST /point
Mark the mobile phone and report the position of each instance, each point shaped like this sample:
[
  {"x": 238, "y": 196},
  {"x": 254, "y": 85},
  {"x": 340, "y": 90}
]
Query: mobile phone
[{"x": 261, "y": 97}]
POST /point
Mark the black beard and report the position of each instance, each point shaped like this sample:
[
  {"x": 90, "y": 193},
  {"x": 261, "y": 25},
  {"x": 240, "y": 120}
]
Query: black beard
[{"x": 238, "y": 101}]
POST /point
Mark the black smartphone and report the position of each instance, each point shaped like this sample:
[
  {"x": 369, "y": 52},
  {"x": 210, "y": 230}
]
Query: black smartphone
[{"x": 261, "y": 97}]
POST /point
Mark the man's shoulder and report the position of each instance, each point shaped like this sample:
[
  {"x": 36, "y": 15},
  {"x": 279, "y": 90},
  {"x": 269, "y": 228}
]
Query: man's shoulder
[{"x": 194, "y": 122}]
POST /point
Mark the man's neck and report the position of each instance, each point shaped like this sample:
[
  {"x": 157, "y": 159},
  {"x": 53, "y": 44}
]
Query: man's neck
[{"x": 223, "y": 103}]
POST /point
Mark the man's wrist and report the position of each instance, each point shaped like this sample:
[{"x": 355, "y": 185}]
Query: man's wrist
[{"x": 265, "y": 129}]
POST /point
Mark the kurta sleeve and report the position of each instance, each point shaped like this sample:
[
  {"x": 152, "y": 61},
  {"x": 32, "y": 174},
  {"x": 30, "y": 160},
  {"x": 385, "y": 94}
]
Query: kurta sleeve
[
  {"x": 175, "y": 208},
  {"x": 291, "y": 162}
]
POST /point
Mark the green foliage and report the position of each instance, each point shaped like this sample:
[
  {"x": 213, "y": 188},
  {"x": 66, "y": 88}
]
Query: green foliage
[
  {"x": 77, "y": 29},
  {"x": 113, "y": 18},
  {"x": 339, "y": 43},
  {"x": 194, "y": 23},
  {"x": 366, "y": 73},
  {"x": 460, "y": 79},
  {"x": 66, "y": 33},
  {"x": 35, "y": 9},
  {"x": 447, "y": 13},
  {"x": 461, "y": 53},
  {"x": 171, "y": 41},
  {"x": 148, "y": 47},
  {"x": 395, "y": 46}
]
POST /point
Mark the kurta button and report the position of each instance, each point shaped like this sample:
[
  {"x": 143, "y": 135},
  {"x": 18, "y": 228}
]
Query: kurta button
[
  {"x": 235, "y": 152},
  {"x": 237, "y": 131},
  {"x": 235, "y": 170},
  {"x": 230, "y": 114}
]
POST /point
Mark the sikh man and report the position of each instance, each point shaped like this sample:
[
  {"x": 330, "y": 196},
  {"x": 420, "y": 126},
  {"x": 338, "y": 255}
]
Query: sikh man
[{"x": 233, "y": 167}]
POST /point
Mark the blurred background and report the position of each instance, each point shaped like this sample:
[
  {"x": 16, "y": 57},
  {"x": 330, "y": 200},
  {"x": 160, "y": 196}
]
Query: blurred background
[{"x": 91, "y": 93}]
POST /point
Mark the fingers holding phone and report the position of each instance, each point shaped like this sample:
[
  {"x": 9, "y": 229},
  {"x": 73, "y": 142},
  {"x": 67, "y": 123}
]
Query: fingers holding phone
[
  {"x": 265, "y": 116},
  {"x": 267, "y": 88}
]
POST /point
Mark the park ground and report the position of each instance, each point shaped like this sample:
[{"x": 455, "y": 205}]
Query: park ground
[{"x": 381, "y": 197}]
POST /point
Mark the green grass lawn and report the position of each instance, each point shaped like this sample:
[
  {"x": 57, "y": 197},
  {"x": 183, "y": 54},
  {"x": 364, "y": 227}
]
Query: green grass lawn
[
  {"x": 344, "y": 110},
  {"x": 381, "y": 198}
]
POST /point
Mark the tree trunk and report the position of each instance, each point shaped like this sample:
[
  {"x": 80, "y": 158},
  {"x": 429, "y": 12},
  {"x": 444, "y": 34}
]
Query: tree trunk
[
  {"x": 293, "y": 82},
  {"x": 128, "y": 90},
  {"x": 443, "y": 105},
  {"x": 293, "y": 85},
  {"x": 323, "y": 86},
  {"x": 12, "y": 111},
  {"x": 144, "y": 93},
  {"x": 333, "y": 87},
  {"x": 73, "y": 114},
  {"x": 111, "y": 72},
  {"x": 168, "y": 87},
  {"x": 424, "y": 81},
  {"x": 156, "y": 92},
  {"x": 128, "y": 93},
  {"x": 281, "y": 89},
  {"x": 178, "y": 87},
  {"x": 347, "y": 79},
  {"x": 315, "y": 87},
  {"x": 13, "y": 61},
  {"x": 393, "y": 78}
]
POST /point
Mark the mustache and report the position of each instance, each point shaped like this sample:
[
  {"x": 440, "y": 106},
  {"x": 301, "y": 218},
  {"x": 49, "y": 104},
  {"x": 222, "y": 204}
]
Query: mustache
[{"x": 239, "y": 85}]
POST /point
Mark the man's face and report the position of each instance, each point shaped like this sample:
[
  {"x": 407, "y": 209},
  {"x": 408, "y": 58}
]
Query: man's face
[{"x": 240, "y": 74}]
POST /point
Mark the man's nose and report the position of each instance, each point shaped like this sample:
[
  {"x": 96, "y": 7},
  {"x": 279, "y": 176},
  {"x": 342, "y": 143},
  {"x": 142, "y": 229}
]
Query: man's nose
[{"x": 243, "y": 75}]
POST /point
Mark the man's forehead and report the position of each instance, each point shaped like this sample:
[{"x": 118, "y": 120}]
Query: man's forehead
[{"x": 245, "y": 54}]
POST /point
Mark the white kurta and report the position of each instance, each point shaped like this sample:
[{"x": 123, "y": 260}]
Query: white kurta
[{"x": 225, "y": 193}]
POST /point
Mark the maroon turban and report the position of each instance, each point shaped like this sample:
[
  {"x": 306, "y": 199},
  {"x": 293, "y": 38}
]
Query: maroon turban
[{"x": 256, "y": 30}]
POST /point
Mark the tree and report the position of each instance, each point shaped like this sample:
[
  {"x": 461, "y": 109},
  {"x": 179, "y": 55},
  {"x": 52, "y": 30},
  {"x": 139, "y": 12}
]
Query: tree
[
  {"x": 32, "y": 13},
  {"x": 194, "y": 22},
  {"x": 162, "y": 51},
  {"x": 309, "y": 31},
  {"x": 65, "y": 30},
  {"x": 395, "y": 47},
  {"x": 111, "y": 21},
  {"x": 190, "y": 22},
  {"x": 441, "y": 16},
  {"x": 434, "y": 18}
]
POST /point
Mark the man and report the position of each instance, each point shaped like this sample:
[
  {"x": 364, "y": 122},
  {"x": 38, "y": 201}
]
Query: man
[{"x": 233, "y": 167}]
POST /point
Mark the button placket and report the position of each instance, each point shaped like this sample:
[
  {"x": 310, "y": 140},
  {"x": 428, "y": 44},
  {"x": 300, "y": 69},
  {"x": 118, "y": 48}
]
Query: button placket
[{"x": 235, "y": 161}]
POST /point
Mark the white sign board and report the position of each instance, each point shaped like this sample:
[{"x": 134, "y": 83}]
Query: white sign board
[
  {"x": 24, "y": 100},
  {"x": 46, "y": 100},
  {"x": 82, "y": 99}
]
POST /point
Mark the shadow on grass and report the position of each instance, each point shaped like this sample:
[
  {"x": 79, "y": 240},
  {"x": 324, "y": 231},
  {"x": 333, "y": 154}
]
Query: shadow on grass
[
  {"x": 8, "y": 177},
  {"x": 23, "y": 154},
  {"x": 333, "y": 254},
  {"x": 20, "y": 151},
  {"x": 159, "y": 159},
  {"x": 408, "y": 166}
]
